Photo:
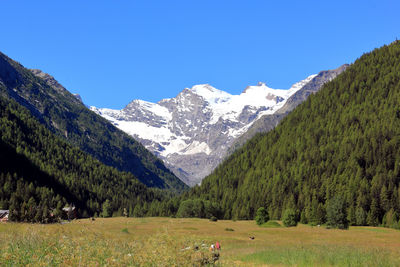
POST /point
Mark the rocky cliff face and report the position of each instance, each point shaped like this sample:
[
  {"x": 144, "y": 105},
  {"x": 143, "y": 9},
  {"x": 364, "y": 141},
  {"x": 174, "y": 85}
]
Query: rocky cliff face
[
  {"x": 53, "y": 83},
  {"x": 193, "y": 131}
]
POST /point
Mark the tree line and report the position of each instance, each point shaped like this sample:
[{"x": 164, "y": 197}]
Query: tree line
[
  {"x": 335, "y": 159},
  {"x": 40, "y": 174},
  {"x": 343, "y": 141}
]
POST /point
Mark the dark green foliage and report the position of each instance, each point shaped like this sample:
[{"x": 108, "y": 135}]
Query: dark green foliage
[
  {"x": 261, "y": 216},
  {"x": 198, "y": 208},
  {"x": 361, "y": 216},
  {"x": 68, "y": 118},
  {"x": 289, "y": 218},
  {"x": 391, "y": 219},
  {"x": 40, "y": 174},
  {"x": 345, "y": 140},
  {"x": 318, "y": 214},
  {"x": 373, "y": 214},
  {"x": 336, "y": 213},
  {"x": 303, "y": 218},
  {"x": 213, "y": 219},
  {"x": 106, "y": 209},
  {"x": 229, "y": 229}
]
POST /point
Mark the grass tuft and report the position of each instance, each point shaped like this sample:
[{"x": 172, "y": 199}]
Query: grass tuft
[{"x": 271, "y": 224}]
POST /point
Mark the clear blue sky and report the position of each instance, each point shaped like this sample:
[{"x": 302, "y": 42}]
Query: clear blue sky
[{"x": 112, "y": 52}]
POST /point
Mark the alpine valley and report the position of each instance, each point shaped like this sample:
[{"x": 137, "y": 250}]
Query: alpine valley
[{"x": 194, "y": 131}]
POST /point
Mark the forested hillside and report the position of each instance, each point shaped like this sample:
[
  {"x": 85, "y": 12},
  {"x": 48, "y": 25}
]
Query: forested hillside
[
  {"x": 66, "y": 116},
  {"x": 40, "y": 174},
  {"x": 343, "y": 141}
]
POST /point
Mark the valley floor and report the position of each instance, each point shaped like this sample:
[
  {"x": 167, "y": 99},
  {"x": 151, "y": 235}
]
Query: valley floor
[{"x": 173, "y": 242}]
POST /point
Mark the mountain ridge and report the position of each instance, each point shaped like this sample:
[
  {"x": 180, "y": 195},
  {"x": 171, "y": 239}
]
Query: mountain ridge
[
  {"x": 268, "y": 122},
  {"x": 193, "y": 131},
  {"x": 70, "y": 119},
  {"x": 341, "y": 143}
]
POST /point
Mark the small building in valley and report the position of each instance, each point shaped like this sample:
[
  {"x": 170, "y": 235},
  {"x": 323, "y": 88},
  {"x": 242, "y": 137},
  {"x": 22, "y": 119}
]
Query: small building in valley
[
  {"x": 70, "y": 212},
  {"x": 4, "y": 215}
]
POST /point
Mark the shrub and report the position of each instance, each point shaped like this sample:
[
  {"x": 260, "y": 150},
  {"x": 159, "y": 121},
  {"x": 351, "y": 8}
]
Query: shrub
[
  {"x": 261, "y": 216},
  {"x": 289, "y": 218},
  {"x": 229, "y": 229},
  {"x": 213, "y": 219}
]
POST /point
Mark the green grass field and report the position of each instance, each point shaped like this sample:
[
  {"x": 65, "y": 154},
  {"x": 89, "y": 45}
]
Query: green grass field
[{"x": 172, "y": 242}]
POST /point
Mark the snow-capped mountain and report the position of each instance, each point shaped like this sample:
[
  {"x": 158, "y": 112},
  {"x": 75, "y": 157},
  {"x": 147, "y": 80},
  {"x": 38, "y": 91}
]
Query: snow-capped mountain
[{"x": 193, "y": 131}]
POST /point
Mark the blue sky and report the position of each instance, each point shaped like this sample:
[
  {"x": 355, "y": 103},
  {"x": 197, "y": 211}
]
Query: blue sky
[{"x": 112, "y": 52}]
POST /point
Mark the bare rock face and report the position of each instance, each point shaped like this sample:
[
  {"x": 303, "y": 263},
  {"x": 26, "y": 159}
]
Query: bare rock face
[
  {"x": 49, "y": 80},
  {"x": 52, "y": 82},
  {"x": 193, "y": 131}
]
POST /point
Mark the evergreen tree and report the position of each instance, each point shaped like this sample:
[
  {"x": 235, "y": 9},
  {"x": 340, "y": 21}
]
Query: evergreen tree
[
  {"x": 138, "y": 211},
  {"x": 106, "y": 209},
  {"x": 261, "y": 216},
  {"x": 373, "y": 214},
  {"x": 361, "y": 216},
  {"x": 337, "y": 213},
  {"x": 289, "y": 218},
  {"x": 303, "y": 218}
]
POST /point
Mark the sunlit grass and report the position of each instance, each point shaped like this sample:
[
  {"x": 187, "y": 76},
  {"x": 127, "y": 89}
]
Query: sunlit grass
[
  {"x": 323, "y": 256},
  {"x": 271, "y": 224},
  {"x": 172, "y": 242}
]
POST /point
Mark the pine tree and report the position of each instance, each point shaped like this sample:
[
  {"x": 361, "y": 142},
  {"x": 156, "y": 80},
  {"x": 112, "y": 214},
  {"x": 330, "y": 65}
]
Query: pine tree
[
  {"x": 303, "y": 218},
  {"x": 373, "y": 214},
  {"x": 107, "y": 209},
  {"x": 289, "y": 218},
  {"x": 361, "y": 216},
  {"x": 336, "y": 213},
  {"x": 261, "y": 216}
]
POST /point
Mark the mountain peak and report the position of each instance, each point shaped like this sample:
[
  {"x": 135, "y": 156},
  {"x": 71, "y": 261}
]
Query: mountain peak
[
  {"x": 192, "y": 131},
  {"x": 261, "y": 84},
  {"x": 210, "y": 93},
  {"x": 78, "y": 96}
]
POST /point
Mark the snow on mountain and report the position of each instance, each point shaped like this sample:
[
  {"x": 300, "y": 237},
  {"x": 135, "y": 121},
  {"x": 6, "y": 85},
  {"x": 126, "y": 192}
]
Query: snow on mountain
[{"x": 192, "y": 131}]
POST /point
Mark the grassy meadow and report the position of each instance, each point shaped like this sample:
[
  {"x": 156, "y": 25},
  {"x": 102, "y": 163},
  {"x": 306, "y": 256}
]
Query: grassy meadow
[{"x": 172, "y": 242}]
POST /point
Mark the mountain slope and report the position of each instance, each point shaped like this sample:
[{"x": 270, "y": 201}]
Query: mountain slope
[
  {"x": 40, "y": 173},
  {"x": 344, "y": 140},
  {"x": 66, "y": 116},
  {"x": 269, "y": 122},
  {"x": 193, "y": 131}
]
